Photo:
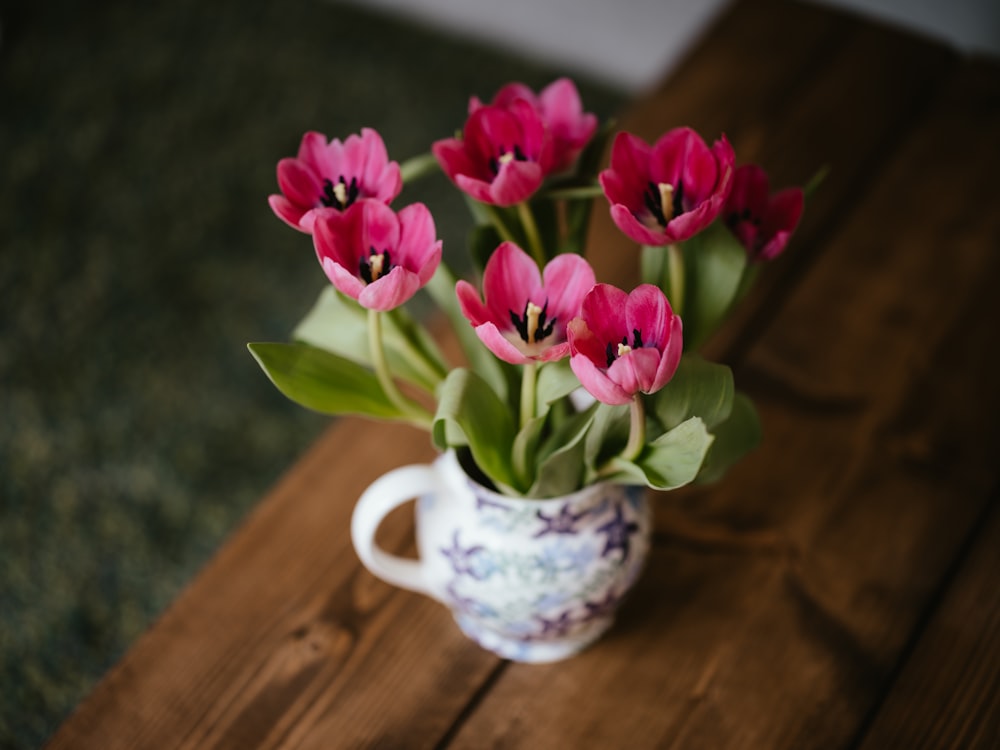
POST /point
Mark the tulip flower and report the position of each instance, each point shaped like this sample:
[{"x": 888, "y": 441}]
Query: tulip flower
[
  {"x": 376, "y": 256},
  {"x": 760, "y": 221},
  {"x": 624, "y": 343},
  {"x": 668, "y": 192},
  {"x": 503, "y": 155},
  {"x": 523, "y": 318},
  {"x": 332, "y": 176},
  {"x": 561, "y": 111}
]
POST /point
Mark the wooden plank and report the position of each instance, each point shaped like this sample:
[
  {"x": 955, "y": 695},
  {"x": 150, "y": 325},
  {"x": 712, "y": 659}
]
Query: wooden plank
[
  {"x": 877, "y": 391},
  {"x": 948, "y": 693}
]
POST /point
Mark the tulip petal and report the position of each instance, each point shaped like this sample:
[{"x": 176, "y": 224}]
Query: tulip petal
[
  {"x": 598, "y": 385},
  {"x": 390, "y": 291},
  {"x": 510, "y": 279},
  {"x": 285, "y": 210},
  {"x": 500, "y": 345},
  {"x": 515, "y": 182},
  {"x": 570, "y": 277},
  {"x": 299, "y": 183}
]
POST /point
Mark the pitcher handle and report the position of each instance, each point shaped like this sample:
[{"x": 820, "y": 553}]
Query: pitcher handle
[{"x": 389, "y": 491}]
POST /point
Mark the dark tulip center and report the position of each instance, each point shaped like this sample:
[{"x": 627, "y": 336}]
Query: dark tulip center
[
  {"x": 375, "y": 266},
  {"x": 339, "y": 194},
  {"x": 615, "y": 350}
]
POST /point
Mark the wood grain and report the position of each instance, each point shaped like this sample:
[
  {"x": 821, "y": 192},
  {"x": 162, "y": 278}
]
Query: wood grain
[
  {"x": 878, "y": 462},
  {"x": 948, "y": 692}
]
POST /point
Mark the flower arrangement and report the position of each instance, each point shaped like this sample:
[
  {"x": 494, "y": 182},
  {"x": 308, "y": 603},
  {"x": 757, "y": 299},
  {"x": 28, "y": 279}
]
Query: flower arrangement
[{"x": 566, "y": 381}]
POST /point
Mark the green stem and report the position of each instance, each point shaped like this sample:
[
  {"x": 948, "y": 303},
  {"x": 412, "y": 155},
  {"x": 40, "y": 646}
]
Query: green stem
[
  {"x": 637, "y": 430},
  {"x": 675, "y": 264},
  {"x": 413, "y": 333},
  {"x": 412, "y": 413},
  {"x": 652, "y": 263},
  {"x": 531, "y": 232},
  {"x": 528, "y": 393},
  {"x": 498, "y": 223}
]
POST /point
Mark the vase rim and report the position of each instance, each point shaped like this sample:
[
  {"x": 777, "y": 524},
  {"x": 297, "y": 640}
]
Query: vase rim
[{"x": 453, "y": 466}]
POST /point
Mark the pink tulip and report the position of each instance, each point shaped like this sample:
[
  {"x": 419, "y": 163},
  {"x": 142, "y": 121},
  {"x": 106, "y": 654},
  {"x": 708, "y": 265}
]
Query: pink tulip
[
  {"x": 762, "y": 222},
  {"x": 524, "y": 316},
  {"x": 376, "y": 256},
  {"x": 624, "y": 343},
  {"x": 670, "y": 191},
  {"x": 332, "y": 176},
  {"x": 561, "y": 111},
  {"x": 503, "y": 155}
]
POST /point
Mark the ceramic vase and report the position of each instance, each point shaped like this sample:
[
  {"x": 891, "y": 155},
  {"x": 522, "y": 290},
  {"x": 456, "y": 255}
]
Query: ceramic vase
[{"x": 531, "y": 580}]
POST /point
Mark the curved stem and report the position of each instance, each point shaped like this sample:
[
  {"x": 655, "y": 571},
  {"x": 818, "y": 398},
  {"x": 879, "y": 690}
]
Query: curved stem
[
  {"x": 675, "y": 264},
  {"x": 637, "y": 430},
  {"x": 501, "y": 228},
  {"x": 412, "y": 413},
  {"x": 531, "y": 231},
  {"x": 419, "y": 358},
  {"x": 652, "y": 262},
  {"x": 528, "y": 393}
]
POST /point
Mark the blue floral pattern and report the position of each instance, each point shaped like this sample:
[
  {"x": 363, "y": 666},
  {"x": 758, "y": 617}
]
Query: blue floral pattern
[{"x": 534, "y": 580}]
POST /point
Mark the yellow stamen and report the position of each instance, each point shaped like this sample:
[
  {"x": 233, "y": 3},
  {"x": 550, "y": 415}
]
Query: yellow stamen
[
  {"x": 531, "y": 320},
  {"x": 506, "y": 158},
  {"x": 340, "y": 193},
  {"x": 375, "y": 264},
  {"x": 666, "y": 200},
  {"x": 623, "y": 349}
]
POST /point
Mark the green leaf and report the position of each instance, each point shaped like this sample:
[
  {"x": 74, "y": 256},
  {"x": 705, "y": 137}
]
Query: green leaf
[
  {"x": 555, "y": 380},
  {"x": 470, "y": 413},
  {"x": 340, "y": 325},
  {"x": 670, "y": 461},
  {"x": 734, "y": 438},
  {"x": 524, "y": 451},
  {"x": 607, "y": 435},
  {"x": 699, "y": 388},
  {"x": 714, "y": 263},
  {"x": 322, "y": 381},
  {"x": 562, "y": 461}
]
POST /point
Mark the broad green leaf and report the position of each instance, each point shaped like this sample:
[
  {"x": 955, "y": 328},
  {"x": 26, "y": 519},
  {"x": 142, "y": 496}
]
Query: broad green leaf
[
  {"x": 555, "y": 380},
  {"x": 734, "y": 438},
  {"x": 524, "y": 451},
  {"x": 607, "y": 435},
  {"x": 699, "y": 388},
  {"x": 470, "y": 409},
  {"x": 714, "y": 264},
  {"x": 562, "y": 463},
  {"x": 322, "y": 381},
  {"x": 670, "y": 461},
  {"x": 340, "y": 325}
]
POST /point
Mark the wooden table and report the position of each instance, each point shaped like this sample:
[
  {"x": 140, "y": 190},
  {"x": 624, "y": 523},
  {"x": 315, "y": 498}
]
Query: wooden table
[{"x": 837, "y": 589}]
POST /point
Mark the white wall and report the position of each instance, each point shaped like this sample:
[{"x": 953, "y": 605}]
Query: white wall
[{"x": 630, "y": 43}]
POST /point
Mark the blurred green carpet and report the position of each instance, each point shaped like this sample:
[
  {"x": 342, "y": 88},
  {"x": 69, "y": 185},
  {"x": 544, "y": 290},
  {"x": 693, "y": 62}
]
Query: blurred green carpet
[{"x": 138, "y": 257}]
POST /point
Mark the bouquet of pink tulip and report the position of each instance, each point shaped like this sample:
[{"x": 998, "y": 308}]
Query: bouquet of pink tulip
[{"x": 566, "y": 381}]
